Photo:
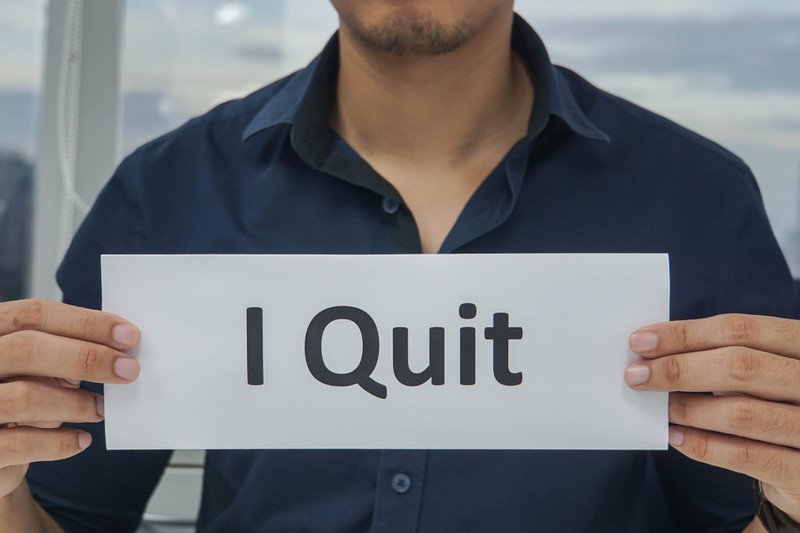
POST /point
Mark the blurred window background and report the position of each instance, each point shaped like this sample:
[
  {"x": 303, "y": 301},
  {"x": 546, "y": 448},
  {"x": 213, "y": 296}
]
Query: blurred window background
[{"x": 21, "y": 48}]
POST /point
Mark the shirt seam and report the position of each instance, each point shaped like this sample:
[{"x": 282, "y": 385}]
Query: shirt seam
[
  {"x": 677, "y": 131},
  {"x": 205, "y": 120}
]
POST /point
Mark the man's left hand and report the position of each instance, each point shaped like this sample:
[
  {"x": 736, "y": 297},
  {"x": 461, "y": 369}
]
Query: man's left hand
[{"x": 751, "y": 424}]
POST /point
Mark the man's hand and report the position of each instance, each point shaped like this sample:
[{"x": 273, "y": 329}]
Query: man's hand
[
  {"x": 752, "y": 424},
  {"x": 46, "y": 350}
]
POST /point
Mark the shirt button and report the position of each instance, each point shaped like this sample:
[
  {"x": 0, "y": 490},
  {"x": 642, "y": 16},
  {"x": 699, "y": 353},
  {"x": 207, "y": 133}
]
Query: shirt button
[
  {"x": 390, "y": 205},
  {"x": 401, "y": 483}
]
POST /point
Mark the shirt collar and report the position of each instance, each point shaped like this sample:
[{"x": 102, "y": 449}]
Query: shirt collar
[{"x": 554, "y": 96}]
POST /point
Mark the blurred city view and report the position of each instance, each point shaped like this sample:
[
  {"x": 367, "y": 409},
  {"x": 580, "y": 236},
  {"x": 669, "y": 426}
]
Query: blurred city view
[
  {"x": 729, "y": 69},
  {"x": 16, "y": 183},
  {"x": 21, "y": 61}
]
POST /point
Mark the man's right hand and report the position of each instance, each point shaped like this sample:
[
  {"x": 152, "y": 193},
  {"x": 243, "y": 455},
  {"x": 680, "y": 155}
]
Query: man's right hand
[{"x": 46, "y": 350}]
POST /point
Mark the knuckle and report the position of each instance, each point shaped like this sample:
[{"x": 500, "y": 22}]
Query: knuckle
[
  {"x": 674, "y": 370},
  {"x": 89, "y": 360},
  {"x": 740, "y": 329},
  {"x": 14, "y": 402},
  {"x": 65, "y": 443},
  {"x": 31, "y": 315},
  {"x": 682, "y": 336},
  {"x": 743, "y": 415},
  {"x": 82, "y": 322},
  {"x": 743, "y": 365},
  {"x": 19, "y": 349},
  {"x": 679, "y": 408},
  {"x": 702, "y": 447},
  {"x": 18, "y": 443},
  {"x": 85, "y": 325},
  {"x": 742, "y": 456}
]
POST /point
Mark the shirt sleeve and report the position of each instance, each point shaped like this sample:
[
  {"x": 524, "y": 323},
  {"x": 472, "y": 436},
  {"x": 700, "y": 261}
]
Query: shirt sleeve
[
  {"x": 100, "y": 490},
  {"x": 754, "y": 279}
]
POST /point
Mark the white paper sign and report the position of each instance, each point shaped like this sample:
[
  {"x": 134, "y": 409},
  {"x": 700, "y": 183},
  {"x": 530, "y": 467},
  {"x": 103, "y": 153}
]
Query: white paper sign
[{"x": 416, "y": 351}]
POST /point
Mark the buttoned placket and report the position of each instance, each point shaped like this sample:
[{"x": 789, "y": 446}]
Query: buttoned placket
[
  {"x": 399, "y": 491},
  {"x": 401, "y": 474}
]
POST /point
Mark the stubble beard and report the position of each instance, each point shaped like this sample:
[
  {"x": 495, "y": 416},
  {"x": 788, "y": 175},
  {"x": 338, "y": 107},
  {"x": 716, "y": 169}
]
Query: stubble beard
[{"x": 413, "y": 36}]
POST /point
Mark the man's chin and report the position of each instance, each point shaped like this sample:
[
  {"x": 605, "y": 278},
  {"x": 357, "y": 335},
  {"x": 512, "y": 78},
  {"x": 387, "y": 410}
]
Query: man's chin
[{"x": 413, "y": 37}]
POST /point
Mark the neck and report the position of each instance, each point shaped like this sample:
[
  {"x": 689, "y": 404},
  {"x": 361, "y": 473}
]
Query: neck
[{"x": 434, "y": 109}]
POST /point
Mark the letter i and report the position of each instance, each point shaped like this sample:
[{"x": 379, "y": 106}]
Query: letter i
[
  {"x": 255, "y": 346},
  {"x": 467, "y": 311}
]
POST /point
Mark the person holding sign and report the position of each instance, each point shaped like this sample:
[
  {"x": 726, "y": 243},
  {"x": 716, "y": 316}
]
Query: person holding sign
[{"x": 429, "y": 126}]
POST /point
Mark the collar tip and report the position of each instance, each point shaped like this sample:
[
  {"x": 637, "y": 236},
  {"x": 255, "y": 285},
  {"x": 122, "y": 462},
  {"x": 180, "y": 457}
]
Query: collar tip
[
  {"x": 249, "y": 132},
  {"x": 596, "y": 134},
  {"x": 602, "y": 137}
]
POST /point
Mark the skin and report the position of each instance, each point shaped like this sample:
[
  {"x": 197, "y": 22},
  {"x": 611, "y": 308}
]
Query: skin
[
  {"x": 401, "y": 63},
  {"x": 395, "y": 105}
]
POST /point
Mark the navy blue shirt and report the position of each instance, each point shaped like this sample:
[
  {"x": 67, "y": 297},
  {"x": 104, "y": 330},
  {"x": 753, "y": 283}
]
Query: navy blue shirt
[{"x": 266, "y": 174}]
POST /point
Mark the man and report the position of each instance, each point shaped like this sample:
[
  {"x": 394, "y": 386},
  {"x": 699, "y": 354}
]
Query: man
[{"x": 429, "y": 126}]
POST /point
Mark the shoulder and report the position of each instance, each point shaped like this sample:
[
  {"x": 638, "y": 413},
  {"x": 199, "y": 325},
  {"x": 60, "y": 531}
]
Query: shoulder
[
  {"x": 643, "y": 134},
  {"x": 224, "y": 125},
  {"x": 206, "y": 149}
]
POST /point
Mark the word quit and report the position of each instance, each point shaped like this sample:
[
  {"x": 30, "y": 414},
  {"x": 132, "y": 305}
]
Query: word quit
[{"x": 500, "y": 333}]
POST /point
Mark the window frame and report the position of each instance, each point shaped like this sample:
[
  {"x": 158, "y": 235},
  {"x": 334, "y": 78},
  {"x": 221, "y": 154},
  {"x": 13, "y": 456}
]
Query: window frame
[{"x": 79, "y": 126}]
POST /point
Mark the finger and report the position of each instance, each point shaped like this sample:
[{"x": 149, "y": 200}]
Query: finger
[
  {"x": 769, "y": 334},
  {"x": 755, "y": 419},
  {"x": 23, "y": 445},
  {"x": 773, "y": 464},
  {"x": 31, "y": 403},
  {"x": 741, "y": 370},
  {"x": 33, "y": 353},
  {"x": 68, "y": 321}
]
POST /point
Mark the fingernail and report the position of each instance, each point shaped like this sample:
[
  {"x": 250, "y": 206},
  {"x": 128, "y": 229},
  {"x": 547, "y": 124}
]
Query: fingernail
[
  {"x": 126, "y": 368},
  {"x": 675, "y": 436},
  {"x": 84, "y": 440},
  {"x": 636, "y": 374},
  {"x": 644, "y": 341},
  {"x": 101, "y": 406},
  {"x": 125, "y": 335}
]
